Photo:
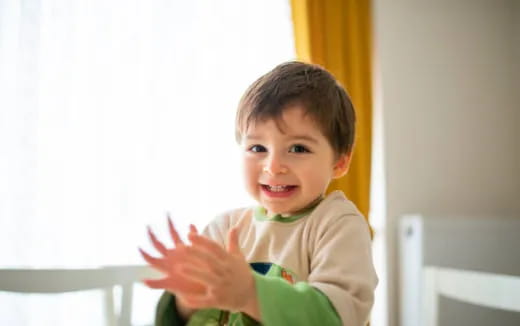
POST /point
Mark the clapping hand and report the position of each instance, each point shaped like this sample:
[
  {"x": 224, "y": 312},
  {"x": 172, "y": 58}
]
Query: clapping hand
[{"x": 203, "y": 274}]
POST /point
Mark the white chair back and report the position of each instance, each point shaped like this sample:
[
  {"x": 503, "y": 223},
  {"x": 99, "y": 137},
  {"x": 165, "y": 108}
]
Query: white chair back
[
  {"x": 478, "y": 288},
  {"x": 72, "y": 280}
]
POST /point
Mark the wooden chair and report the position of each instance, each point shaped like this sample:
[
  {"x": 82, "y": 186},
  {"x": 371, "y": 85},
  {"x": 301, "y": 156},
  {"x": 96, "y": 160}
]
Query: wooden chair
[{"x": 72, "y": 280}]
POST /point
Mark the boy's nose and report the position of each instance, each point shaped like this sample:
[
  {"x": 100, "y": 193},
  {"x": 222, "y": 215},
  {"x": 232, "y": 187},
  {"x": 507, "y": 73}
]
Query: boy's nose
[{"x": 273, "y": 166}]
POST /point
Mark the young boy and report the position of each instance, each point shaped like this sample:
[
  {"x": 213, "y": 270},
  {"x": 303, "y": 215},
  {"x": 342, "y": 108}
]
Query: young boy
[{"x": 300, "y": 257}]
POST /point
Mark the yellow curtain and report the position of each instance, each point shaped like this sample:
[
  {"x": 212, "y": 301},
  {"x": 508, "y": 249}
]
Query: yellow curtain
[{"x": 336, "y": 34}]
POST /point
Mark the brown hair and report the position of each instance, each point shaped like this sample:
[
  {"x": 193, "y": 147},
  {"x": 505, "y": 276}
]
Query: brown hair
[{"x": 308, "y": 85}]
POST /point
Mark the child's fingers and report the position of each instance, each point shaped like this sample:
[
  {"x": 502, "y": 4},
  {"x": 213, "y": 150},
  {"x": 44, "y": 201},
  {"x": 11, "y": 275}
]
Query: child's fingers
[
  {"x": 190, "y": 255},
  {"x": 233, "y": 245},
  {"x": 176, "y": 285},
  {"x": 201, "y": 257},
  {"x": 157, "y": 284},
  {"x": 173, "y": 233},
  {"x": 199, "y": 275},
  {"x": 193, "y": 229},
  {"x": 209, "y": 245},
  {"x": 156, "y": 243},
  {"x": 154, "y": 262}
]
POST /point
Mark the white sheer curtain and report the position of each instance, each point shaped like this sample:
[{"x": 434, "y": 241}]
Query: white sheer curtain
[{"x": 114, "y": 112}]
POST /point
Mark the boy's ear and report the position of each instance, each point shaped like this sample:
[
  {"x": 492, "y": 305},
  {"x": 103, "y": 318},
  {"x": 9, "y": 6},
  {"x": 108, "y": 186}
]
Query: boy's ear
[{"x": 341, "y": 166}]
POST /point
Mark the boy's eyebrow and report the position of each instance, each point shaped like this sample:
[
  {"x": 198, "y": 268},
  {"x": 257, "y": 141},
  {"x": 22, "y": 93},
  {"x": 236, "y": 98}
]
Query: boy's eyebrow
[
  {"x": 253, "y": 137},
  {"x": 294, "y": 137},
  {"x": 304, "y": 137}
]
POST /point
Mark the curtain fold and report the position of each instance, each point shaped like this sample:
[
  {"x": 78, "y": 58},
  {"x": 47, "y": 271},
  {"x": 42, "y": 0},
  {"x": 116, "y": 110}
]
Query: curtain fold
[{"x": 336, "y": 34}]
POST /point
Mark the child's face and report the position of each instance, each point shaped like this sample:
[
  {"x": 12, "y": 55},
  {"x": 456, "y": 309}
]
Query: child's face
[{"x": 287, "y": 169}]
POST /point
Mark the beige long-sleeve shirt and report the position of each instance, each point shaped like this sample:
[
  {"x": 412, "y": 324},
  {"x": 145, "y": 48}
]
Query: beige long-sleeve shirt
[{"x": 327, "y": 248}]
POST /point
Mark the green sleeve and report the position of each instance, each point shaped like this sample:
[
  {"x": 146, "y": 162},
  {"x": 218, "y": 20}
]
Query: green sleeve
[
  {"x": 300, "y": 304},
  {"x": 166, "y": 313},
  {"x": 280, "y": 304}
]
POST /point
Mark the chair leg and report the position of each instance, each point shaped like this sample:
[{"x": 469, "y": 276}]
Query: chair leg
[
  {"x": 110, "y": 314},
  {"x": 430, "y": 297},
  {"x": 125, "y": 317}
]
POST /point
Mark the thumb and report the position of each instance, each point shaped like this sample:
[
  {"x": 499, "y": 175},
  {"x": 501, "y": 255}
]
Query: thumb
[{"x": 233, "y": 246}]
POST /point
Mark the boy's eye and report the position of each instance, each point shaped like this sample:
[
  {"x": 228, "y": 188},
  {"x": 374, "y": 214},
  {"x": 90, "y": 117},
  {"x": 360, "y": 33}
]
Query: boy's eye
[
  {"x": 257, "y": 148},
  {"x": 299, "y": 149}
]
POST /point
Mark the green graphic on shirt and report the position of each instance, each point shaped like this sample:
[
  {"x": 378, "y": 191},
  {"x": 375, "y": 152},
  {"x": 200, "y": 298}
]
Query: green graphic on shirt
[{"x": 273, "y": 270}]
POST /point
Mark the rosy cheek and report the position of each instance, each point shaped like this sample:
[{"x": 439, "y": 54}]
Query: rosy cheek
[
  {"x": 250, "y": 169},
  {"x": 316, "y": 177}
]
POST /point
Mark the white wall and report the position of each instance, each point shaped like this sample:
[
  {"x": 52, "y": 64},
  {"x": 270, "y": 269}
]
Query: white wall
[{"x": 450, "y": 80}]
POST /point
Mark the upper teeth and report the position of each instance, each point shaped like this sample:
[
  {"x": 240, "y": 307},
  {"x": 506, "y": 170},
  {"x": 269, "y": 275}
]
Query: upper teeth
[{"x": 277, "y": 188}]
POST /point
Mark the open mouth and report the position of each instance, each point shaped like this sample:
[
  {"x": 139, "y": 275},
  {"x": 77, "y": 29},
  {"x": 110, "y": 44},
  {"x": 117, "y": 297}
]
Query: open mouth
[{"x": 278, "y": 189}]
